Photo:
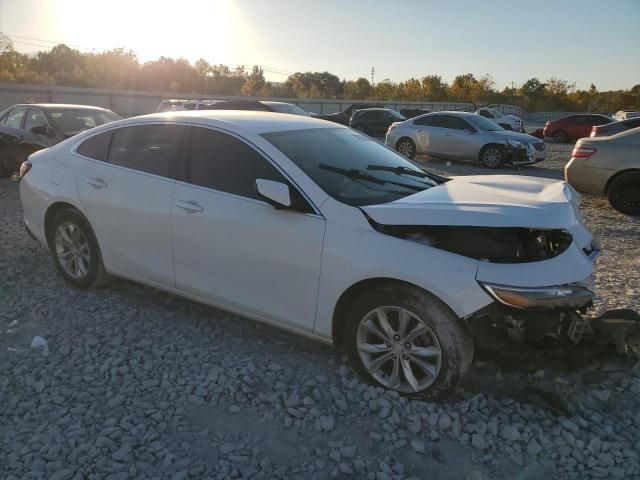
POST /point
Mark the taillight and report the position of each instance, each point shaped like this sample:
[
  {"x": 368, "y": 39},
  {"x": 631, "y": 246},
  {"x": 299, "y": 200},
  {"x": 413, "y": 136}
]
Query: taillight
[
  {"x": 24, "y": 168},
  {"x": 581, "y": 152},
  {"x": 594, "y": 131},
  {"x": 392, "y": 126}
]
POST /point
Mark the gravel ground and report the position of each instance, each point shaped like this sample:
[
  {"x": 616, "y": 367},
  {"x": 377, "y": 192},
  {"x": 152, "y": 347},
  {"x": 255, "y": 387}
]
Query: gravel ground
[{"x": 137, "y": 383}]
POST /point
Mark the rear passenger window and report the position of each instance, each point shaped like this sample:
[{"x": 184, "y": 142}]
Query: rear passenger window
[
  {"x": 222, "y": 162},
  {"x": 96, "y": 147},
  {"x": 152, "y": 149}
]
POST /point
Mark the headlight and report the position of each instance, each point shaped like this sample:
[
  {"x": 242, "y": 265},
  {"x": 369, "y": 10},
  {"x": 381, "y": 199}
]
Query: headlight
[
  {"x": 517, "y": 144},
  {"x": 541, "y": 298}
]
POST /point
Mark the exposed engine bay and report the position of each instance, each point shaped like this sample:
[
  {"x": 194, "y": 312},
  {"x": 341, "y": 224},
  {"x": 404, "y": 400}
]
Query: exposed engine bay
[{"x": 492, "y": 244}]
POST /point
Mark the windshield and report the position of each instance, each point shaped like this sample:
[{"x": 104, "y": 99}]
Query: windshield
[
  {"x": 351, "y": 167},
  {"x": 485, "y": 124},
  {"x": 399, "y": 116},
  {"x": 288, "y": 108},
  {"x": 70, "y": 121}
]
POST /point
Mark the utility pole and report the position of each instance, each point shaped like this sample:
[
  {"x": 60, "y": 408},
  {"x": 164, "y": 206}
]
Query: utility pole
[{"x": 373, "y": 71}]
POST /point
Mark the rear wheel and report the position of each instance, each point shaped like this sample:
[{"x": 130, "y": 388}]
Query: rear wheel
[
  {"x": 75, "y": 251},
  {"x": 404, "y": 339},
  {"x": 492, "y": 156},
  {"x": 560, "y": 136},
  {"x": 406, "y": 147},
  {"x": 624, "y": 193}
]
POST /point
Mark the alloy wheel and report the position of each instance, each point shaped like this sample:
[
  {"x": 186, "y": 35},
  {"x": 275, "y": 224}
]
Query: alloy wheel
[
  {"x": 405, "y": 148},
  {"x": 72, "y": 250},
  {"x": 492, "y": 157},
  {"x": 399, "y": 349}
]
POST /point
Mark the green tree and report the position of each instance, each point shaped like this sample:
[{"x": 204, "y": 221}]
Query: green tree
[{"x": 254, "y": 83}]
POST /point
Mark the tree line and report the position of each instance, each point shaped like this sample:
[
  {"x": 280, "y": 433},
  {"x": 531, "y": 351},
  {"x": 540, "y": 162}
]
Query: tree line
[{"x": 120, "y": 69}]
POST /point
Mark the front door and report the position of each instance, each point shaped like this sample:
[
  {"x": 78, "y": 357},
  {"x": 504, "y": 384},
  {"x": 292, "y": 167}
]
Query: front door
[{"x": 234, "y": 249}]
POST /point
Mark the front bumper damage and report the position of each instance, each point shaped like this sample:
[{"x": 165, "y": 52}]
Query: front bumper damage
[{"x": 556, "y": 332}]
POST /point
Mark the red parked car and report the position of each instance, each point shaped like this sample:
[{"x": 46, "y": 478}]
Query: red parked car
[{"x": 574, "y": 127}]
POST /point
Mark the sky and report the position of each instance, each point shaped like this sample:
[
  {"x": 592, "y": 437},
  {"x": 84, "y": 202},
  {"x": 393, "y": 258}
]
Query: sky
[{"x": 582, "y": 41}]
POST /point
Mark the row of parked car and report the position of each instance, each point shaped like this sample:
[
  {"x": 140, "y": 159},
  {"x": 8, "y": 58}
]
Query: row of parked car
[{"x": 456, "y": 135}]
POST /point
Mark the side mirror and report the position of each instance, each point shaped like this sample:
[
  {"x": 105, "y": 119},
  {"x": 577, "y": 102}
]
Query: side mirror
[
  {"x": 40, "y": 130},
  {"x": 275, "y": 193}
]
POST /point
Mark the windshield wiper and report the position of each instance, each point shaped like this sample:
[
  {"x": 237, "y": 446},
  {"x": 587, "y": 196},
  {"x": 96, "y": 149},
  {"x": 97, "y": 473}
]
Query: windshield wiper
[
  {"x": 400, "y": 170},
  {"x": 355, "y": 174}
]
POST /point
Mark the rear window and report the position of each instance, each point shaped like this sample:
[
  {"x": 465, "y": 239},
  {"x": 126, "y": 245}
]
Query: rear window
[{"x": 96, "y": 147}]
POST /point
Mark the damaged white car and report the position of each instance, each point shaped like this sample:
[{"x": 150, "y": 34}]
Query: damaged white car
[{"x": 316, "y": 228}]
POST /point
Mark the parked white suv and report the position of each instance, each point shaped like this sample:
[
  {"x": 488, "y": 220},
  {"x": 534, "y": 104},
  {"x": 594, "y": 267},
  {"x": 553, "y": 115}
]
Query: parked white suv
[
  {"x": 316, "y": 228},
  {"x": 508, "y": 122}
]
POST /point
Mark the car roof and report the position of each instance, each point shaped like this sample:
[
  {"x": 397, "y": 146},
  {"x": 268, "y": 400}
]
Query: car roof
[
  {"x": 450, "y": 112},
  {"x": 257, "y": 122},
  {"x": 59, "y": 106}
]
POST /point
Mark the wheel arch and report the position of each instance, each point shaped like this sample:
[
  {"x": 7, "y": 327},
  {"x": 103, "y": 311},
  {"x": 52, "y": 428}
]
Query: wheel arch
[
  {"x": 350, "y": 294},
  {"x": 56, "y": 208}
]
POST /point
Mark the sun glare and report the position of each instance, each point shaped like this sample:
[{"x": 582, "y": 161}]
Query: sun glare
[{"x": 189, "y": 29}]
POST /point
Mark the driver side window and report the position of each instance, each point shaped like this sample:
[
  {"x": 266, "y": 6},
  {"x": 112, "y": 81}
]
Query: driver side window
[
  {"x": 222, "y": 162},
  {"x": 486, "y": 114}
]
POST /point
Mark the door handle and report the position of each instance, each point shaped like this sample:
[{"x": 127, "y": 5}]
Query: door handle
[
  {"x": 96, "y": 182},
  {"x": 189, "y": 206}
]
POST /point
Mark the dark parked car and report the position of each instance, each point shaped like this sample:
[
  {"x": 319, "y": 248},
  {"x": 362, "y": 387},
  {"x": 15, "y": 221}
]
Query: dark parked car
[
  {"x": 413, "y": 112},
  {"x": 30, "y": 127},
  {"x": 375, "y": 121},
  {"x": 344, "y": 117},
  {"x": 574, "y": 127},
  {"x": 615, "y": 127}
]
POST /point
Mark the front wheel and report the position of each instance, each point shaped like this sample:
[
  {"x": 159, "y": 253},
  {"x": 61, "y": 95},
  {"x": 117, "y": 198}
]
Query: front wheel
[
  {"x": 624, "y": 193},
  {"x": 404, "y": 339},
  {"x": 492, "y": 156},
  {"x": 406, "y": 148}
]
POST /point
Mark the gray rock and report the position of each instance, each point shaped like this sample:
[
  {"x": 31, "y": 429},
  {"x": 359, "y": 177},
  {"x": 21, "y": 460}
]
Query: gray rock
[
  {"x": 327, "y": 422},
  {"x": 418, "y": 446},
  {"x": 533, "y": 448},
  {"x": 478, "y": 441},
  {"x": 510, "y": 433}
]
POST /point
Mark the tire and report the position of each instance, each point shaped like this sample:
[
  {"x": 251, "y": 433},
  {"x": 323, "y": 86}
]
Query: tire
[
  {"x": 70, "y": 232},
  {"x": 560, "y": 136},
  {"x": 624, "y": 193},
  {"x": 492, "y": 156},
  {"x": 406, "y": 147},
  {"x": 445, "y": 346}
]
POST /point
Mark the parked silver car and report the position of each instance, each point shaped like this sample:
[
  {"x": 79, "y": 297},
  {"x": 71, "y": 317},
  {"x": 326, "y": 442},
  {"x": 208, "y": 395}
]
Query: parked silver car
[{"x": 466, "y": 136}]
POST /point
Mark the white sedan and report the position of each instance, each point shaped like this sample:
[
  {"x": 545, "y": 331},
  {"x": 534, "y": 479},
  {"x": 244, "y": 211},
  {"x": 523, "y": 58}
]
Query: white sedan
[{"x": 319, "y": 229}]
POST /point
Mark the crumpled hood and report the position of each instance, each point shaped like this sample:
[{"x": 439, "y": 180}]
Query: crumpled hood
[
  {"x": 511, "y": 135},
  {"x": 486, "y": 200}
]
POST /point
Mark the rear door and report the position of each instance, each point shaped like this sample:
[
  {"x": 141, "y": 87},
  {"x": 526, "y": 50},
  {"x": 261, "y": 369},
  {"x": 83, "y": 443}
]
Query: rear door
[
  {"x": 234, "y": 249},
  {"x": 430, "y": 134},
  {"x": 126, "y": 184}
]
